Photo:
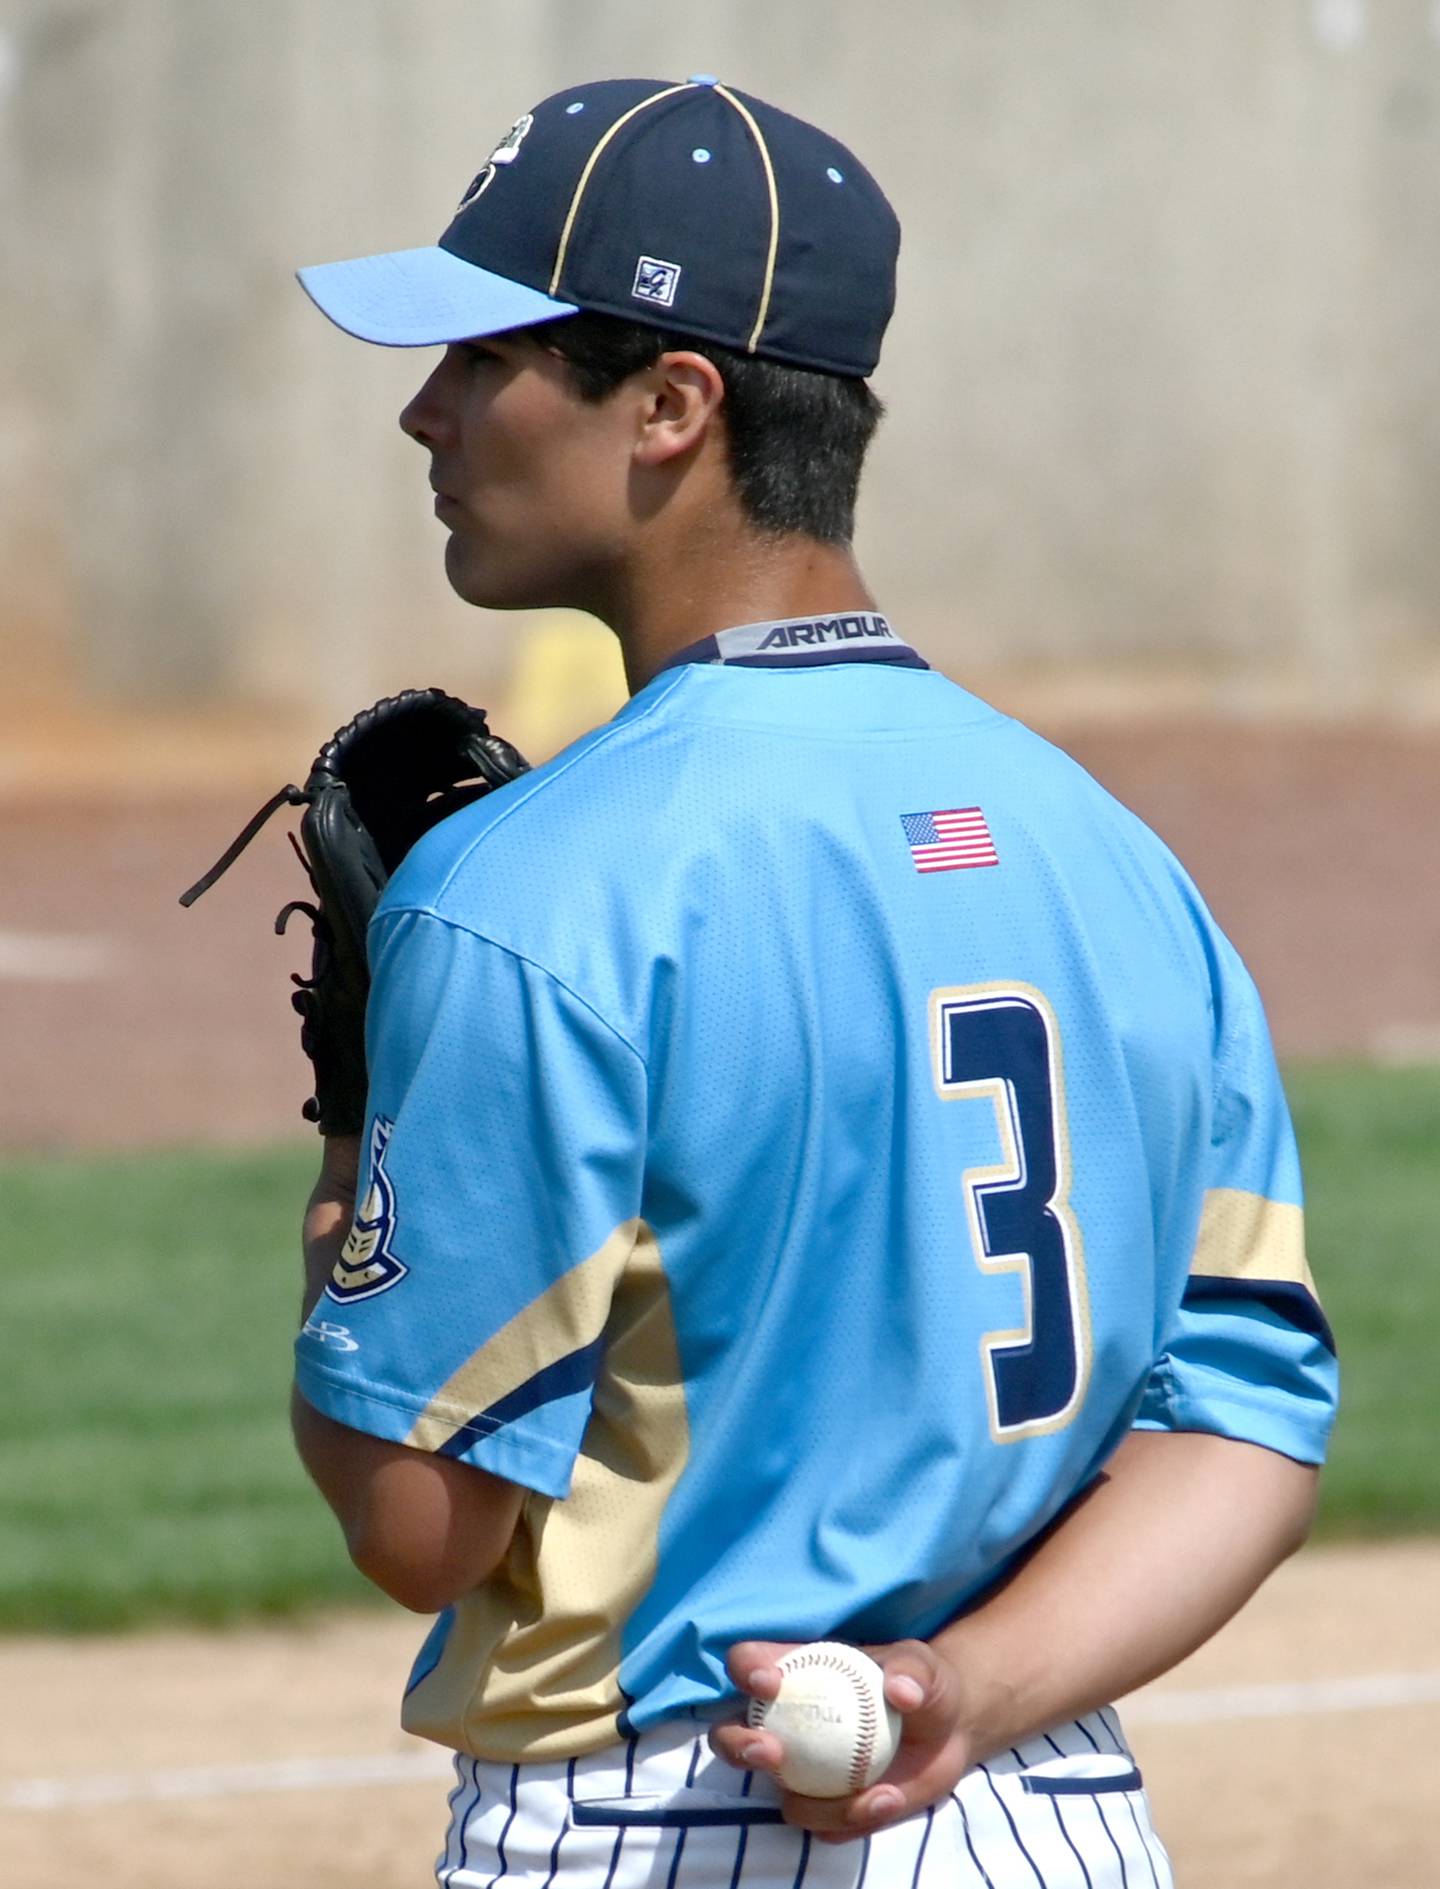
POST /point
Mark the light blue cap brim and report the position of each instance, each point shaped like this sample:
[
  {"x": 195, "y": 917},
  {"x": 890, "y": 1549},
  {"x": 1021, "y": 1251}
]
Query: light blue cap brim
[{"x": 420, "y": 298}]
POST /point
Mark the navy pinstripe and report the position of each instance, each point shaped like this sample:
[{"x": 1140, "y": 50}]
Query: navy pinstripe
[
  {"x": 1119, "y": 1853},
  {"x": 614, "y": 1857},
  {"x": 1055, "y": 1806},
  {"x": 465, "y": 1815},
  {"x": 505, "y": 1830},
  {"x": 444, "y": 1866},
  {"x": 924, "y": 1843},
  {"x": 804, "y": 1863},
  {"x": 560, "y": 1834},
  {"x": 1005, "y": 1812},
  {"x": 965, "y": 1832},
  {"x": 739, "y": 1855},
  {"x": 1149, "y": 1859},
  {"x": 680, "y": 1836}
]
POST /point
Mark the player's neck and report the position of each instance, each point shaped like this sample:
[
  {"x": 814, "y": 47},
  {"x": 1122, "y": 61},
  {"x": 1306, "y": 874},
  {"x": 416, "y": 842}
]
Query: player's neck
[{"x": 748, "y": 579}]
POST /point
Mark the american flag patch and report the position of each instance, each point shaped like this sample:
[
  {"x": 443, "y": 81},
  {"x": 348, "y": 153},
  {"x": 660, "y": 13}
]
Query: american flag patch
[{"x": 950, "y": 840}]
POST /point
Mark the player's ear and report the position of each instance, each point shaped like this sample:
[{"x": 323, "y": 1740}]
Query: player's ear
[{"x": 684, "y": 392}]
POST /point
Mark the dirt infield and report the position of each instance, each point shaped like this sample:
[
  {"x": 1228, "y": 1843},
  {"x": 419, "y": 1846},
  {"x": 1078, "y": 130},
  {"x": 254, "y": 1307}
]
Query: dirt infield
[
  {"x": 127, "y": 1022},
  {"x": 1325, "y": 1791}
]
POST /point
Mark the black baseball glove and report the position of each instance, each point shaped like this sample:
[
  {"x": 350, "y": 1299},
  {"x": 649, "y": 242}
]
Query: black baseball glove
[{"x": 377, "y": 784}]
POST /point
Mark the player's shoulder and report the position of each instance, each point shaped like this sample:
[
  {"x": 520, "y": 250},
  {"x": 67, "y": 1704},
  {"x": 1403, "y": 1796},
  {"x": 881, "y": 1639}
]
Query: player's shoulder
[
  {"x": 1060, "y": 818},
  {"x": 558, "y": 818}
]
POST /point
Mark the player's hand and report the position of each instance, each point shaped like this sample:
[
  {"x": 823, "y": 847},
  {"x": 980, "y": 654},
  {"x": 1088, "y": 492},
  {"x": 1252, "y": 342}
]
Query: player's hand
[{"x": 934, "y": 1753}]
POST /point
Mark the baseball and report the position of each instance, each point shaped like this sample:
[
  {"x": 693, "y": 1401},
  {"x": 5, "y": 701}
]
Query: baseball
[{"x": 831, "y": 1715}]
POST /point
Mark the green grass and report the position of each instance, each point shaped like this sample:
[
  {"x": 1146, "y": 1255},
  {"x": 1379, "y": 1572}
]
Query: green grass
[
  {"x": 1370, "y": 1143},
  {"x": 146, "y": 1471}
]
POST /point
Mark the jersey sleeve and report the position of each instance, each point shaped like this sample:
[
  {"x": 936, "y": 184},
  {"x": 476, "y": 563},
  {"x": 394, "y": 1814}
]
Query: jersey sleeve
[
  {"x": 498, "y": 1208},
  {"x": 1249, "y": 1353}
]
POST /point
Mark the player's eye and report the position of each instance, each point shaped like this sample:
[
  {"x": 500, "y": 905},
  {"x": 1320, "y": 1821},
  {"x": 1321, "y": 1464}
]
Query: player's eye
[{"x": 475, "y": 353}]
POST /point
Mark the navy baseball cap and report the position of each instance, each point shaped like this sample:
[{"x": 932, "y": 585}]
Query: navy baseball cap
[{"x": 688, "y": 206}]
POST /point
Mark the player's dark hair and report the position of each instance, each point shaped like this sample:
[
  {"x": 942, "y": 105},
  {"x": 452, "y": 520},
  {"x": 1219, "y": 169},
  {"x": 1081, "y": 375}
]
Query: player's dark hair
[{"x": 796, "y": 437}]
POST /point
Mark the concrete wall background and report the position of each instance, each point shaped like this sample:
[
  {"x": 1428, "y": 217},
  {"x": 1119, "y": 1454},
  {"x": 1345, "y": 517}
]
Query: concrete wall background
[{"x": 1163, "y": 382}]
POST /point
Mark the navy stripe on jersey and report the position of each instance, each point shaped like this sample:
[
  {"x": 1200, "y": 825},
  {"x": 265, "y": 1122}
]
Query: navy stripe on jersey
[
  {"x": 574, "y": 1372},
  {"x": 1294, "y": 1303},
  {"x": 816, "y": 658}
]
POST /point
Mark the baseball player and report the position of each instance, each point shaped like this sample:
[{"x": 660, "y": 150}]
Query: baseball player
[{"x": 825, "y": 1173}]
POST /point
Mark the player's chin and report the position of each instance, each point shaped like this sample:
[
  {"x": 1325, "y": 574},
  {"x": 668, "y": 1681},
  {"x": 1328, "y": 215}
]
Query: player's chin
[{"x": 489, "y": 580}]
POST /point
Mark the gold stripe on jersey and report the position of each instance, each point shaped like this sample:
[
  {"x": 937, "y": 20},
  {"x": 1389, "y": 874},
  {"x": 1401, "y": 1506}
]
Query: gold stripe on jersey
[
  {"x": 531, "y": 1666},
  {"x": 566, "y": 1317},
  {"x": 1246, "y": 1236}
]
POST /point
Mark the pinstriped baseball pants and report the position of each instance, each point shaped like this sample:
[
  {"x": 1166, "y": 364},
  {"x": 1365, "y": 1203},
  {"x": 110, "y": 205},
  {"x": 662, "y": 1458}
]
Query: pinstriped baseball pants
[{"x": 1063, "y": 1811}]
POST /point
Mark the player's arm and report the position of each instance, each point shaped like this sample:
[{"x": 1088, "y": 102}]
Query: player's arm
[
  {"x": 456, "y": 1314},
  {"x": 1164, "y": 1548},
  {"x": 424, "y": 1529}
]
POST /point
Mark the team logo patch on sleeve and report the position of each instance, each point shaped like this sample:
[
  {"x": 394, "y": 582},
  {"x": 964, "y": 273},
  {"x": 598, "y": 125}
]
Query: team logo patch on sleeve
[
  {"x": 367, "y": 1262},
  {"x": 950, "y": 840}
]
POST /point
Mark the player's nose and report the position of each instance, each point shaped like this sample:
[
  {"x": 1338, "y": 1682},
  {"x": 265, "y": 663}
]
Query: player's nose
[{"x": 425, "y": 416}]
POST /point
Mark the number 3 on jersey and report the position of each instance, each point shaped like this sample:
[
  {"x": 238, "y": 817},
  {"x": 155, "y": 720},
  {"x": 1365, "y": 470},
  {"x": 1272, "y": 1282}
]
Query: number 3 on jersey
[{"x": 1001, "y": 1043}]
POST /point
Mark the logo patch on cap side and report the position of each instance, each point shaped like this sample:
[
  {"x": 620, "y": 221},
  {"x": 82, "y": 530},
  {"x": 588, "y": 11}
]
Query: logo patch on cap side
[
  {"x": 656, "y": 281},
  {"x": 505, "y": 152}
]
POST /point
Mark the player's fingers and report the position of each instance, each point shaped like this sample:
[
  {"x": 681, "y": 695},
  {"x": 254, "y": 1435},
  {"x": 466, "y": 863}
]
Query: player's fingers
[
  {"x": 752, "y": 1665},
  {"x": 912, "y": 1784},
  {"x": 921, "y": 1686},
  {"x": 745, "y": 1746}
]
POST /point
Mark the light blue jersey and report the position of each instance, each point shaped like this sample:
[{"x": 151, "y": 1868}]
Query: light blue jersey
[{"x": 812, "y": 1122}]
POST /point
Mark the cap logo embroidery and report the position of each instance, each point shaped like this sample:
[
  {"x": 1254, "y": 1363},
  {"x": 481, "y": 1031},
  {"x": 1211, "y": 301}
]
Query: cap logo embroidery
[
  {"x": 656, "y": 281},
  {"x": 505, "y": 152}
]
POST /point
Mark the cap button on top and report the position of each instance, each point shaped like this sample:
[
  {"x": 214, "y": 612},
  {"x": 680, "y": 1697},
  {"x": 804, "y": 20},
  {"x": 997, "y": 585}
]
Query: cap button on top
[{"x": 702, "y": 78}]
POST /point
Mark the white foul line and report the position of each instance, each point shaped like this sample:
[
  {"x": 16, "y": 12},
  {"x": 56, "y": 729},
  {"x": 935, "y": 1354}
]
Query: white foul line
[
  {"x": 1216, "y": 1703},
  {"x": 1195, "y": 1707},
  {"x": 224, "y": 1780}
]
